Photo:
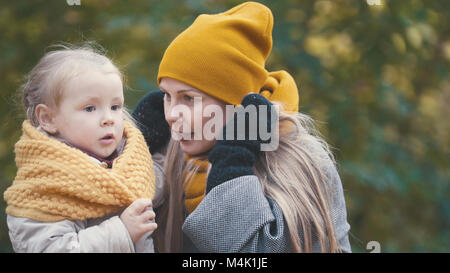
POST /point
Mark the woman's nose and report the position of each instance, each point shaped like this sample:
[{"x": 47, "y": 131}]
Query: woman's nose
[{"x": 170, "y": 114}]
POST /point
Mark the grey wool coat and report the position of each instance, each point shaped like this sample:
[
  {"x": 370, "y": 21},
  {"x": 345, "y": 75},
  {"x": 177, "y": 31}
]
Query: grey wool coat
[{"x": 236, "y": 216}]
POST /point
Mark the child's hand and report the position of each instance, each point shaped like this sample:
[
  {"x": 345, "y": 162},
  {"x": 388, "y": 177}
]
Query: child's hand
[{"x": 136, "y": 218}]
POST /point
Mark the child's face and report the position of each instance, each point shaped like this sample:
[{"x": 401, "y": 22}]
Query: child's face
[{"x": 90, "y": 114}]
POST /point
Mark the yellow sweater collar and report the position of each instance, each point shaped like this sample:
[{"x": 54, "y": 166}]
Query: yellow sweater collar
[{"x": 195, "y": 185}]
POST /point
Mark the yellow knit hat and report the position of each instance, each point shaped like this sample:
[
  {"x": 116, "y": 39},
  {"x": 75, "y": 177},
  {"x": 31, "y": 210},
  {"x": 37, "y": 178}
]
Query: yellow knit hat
[{"x": 224, "y": 54}]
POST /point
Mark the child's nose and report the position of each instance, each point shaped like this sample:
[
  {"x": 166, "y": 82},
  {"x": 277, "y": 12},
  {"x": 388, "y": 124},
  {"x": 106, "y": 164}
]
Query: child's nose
[{"x": 107, "y": 119}]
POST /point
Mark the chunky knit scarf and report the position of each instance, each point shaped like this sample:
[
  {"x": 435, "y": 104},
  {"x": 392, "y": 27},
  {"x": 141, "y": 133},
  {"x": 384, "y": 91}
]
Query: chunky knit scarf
[
  {"x": 194, "y": 189},
  {"x": 55, "y": 181}
]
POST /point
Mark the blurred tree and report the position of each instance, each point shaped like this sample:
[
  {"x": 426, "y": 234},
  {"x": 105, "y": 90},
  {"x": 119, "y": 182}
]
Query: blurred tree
[{"x": 375, "y": 77}]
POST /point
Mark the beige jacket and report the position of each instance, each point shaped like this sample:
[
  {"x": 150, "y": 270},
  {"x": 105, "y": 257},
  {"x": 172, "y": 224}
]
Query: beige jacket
[{"x": 105, "y": 234}]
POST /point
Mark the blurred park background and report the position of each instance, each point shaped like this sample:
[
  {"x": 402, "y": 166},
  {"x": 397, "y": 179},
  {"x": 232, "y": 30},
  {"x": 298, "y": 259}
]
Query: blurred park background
[{"x": 373, "y": 73}]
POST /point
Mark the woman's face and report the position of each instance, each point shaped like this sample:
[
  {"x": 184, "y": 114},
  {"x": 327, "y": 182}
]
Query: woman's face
[{"x": 188, "y": 122}]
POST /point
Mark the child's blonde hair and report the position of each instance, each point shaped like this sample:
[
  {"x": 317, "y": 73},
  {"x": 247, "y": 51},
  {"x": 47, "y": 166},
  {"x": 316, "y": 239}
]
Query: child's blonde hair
[{"x": 45, "y": 83}]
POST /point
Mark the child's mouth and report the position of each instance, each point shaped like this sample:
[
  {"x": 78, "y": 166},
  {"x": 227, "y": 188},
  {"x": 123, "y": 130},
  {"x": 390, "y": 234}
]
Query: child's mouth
[{"x": 107, "y": 139}]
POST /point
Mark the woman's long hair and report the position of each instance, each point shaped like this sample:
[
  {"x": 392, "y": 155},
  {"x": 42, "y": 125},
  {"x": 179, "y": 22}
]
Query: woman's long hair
[{"x": 292, "y": 175}]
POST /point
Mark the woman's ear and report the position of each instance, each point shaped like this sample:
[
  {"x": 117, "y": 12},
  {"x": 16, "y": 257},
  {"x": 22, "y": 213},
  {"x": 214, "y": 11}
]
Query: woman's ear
[{"x": 45, "y": 116}]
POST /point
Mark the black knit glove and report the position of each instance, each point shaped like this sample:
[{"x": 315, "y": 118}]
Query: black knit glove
[
  {"x": 235, "y": 158},
  {"x": 149, "y": 114}
]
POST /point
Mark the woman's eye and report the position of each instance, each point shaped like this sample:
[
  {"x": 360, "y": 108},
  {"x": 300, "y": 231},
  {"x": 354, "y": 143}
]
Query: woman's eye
[
  {"x": 188, "y": 98},
  {"x": 89, "y": 108},
  {"x": 166, "y": 96}
]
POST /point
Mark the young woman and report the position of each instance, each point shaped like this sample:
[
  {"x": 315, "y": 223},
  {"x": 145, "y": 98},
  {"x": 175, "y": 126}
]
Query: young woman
[{"x": 230, "y": 195}]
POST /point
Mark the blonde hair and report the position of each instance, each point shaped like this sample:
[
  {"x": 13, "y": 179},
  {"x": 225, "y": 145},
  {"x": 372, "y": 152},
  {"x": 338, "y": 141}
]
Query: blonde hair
[
  {"x": 292, "y": 175},
  {"x": 46, "y": 81}
]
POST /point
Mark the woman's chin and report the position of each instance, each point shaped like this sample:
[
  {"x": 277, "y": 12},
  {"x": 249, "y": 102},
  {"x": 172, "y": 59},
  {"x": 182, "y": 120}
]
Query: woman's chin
[{"x": 196, "y": 147}]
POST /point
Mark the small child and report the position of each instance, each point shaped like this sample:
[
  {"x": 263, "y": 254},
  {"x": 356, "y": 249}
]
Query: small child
[{"x": 81, "y": 162}]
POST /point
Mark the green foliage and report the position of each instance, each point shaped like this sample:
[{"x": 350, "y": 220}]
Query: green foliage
[{"x": 376, "y": 78}]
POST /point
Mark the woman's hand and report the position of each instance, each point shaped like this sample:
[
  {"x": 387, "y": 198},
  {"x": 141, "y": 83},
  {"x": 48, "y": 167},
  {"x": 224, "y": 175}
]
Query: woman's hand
[
  {"x": 234, "y": 158},
  {"x": 149, "y": 114}
]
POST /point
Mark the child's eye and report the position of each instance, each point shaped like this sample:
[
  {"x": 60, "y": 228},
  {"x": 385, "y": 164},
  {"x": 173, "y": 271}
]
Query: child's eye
[
  {"x": 89, "y": 108},
  {"x": 188, "y": 98},
  {"x": 115, "y": 107}
]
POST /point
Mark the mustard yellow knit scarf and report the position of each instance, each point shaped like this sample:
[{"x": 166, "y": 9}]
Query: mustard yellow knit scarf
[
  {"x": 56, "y": 182},
  {"x": 194, "y": 189}
]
